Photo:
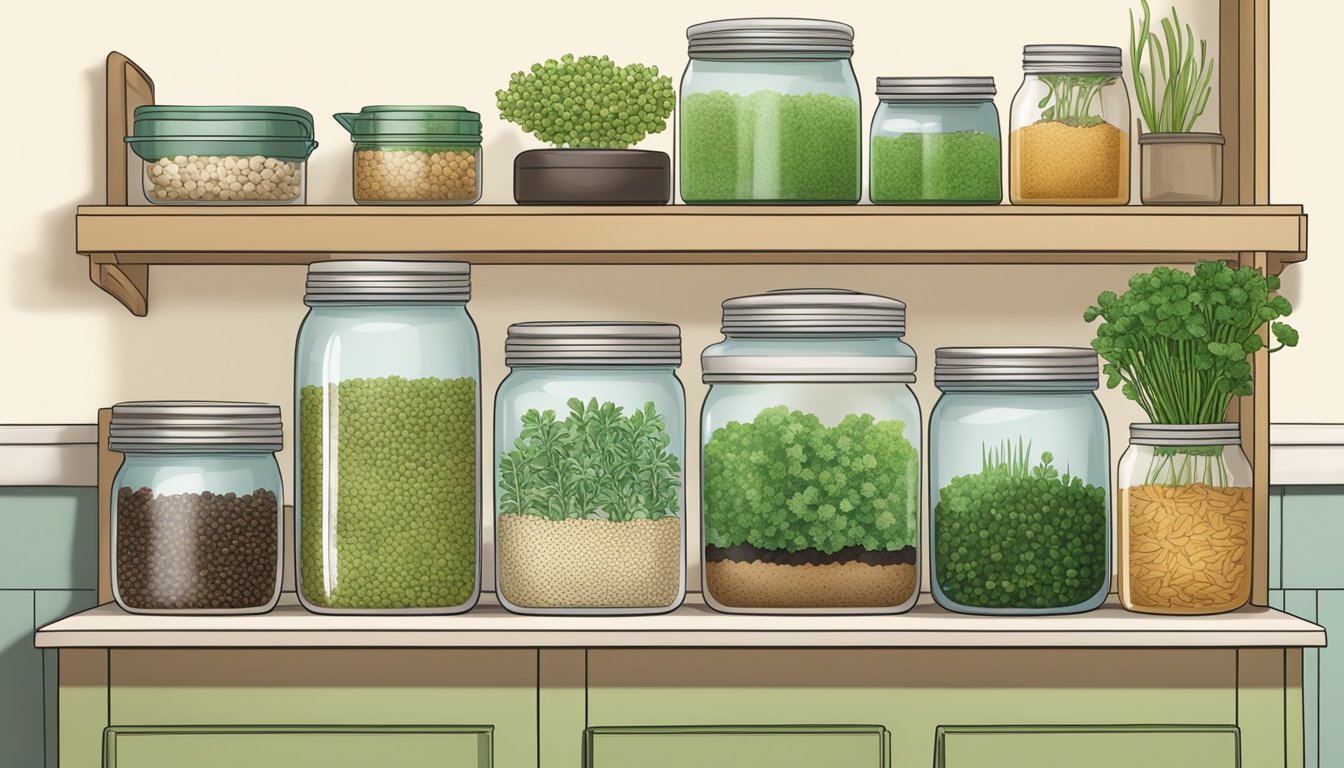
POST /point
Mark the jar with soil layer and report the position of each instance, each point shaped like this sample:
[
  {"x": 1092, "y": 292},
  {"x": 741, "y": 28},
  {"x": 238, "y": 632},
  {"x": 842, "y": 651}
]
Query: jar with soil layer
[
  {"x": 590, "y": 427},
  {"x": 1069, "y": 139},
  {"x": 810, "y": 461}
]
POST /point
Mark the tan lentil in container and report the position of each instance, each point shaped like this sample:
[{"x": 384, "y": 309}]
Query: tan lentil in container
[
  {"x": 1185, "y": 549},
  {"x": 1054, "y": 163},
  {"x": 416, "y": 175}
]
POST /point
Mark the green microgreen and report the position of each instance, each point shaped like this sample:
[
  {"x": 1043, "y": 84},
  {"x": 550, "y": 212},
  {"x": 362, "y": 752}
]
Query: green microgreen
[
  {"x": 1174, "y": 91},
  {"x": 597, "y": 463},
  {"x": 1177, "y": 343},
  {"x": 1071, "y": 98}
]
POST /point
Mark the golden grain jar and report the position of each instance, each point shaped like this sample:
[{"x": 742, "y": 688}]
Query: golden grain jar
[
  {"x": 1069, "y": 128},
  {"x": 415, "y": 155},
  {"x": 1185, "y": 519}
]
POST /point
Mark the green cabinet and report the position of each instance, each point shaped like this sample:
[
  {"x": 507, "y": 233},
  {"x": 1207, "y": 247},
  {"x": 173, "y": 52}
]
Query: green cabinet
[
  {"x": 330, "y": 747},
  {"x": 48, "y": 569},
  {"x": 1123, "y": 746},
  {"x": 837, "y": 746}
]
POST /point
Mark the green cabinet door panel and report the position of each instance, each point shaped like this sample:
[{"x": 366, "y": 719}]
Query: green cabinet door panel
[
  {"x": 1092, "y": 746},
  {"x": 48, "y": 538},
  {"x": 347, "y": 747},
  {"x": 21, "y": 736},
  {"x": 50, "y": 605},
  {"x": 858, "y": 746},
  {"x": 1330, "y": 683},
  {"x": 1313, "y": 527}
]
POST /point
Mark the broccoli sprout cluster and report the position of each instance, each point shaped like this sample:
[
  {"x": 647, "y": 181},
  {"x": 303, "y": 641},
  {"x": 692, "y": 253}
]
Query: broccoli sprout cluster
[
  {"x": 1176, "y": 343},
  {"x": 787, "y": 482},
  {"x": 588, "y": 102}
]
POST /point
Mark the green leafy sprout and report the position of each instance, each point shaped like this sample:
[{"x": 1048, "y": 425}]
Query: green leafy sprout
[
  {"x": 1020, "y": 535},
  {"x": 1071, "y": 97},
  {"x": 588, "y": 102},
  {"x": 596, "y": 464},
  {"x": 1177, "y": 343},
  {"x": 787, "y": 482},
  {"x": 1175, "y": 90}
]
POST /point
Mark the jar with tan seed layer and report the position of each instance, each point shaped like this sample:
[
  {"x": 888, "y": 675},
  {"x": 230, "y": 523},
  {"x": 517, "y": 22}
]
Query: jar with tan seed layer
[
  {"x": 1185, "y": 519},
  {"x": 415, "y": 155}
]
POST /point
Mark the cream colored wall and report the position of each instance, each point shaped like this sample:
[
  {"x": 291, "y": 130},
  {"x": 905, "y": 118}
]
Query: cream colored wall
[{"x": 227, "y": 333}]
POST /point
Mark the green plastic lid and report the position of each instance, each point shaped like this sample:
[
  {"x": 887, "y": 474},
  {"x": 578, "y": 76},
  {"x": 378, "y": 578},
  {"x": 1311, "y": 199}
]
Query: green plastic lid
[
  {"x": 171, "y": 130},
  {"x": 412, "y": 123}
]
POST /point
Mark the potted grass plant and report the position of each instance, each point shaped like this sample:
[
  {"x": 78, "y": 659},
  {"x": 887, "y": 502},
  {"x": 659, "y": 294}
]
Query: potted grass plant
[
  {"x": 591, "y": 110},
  {"x": 1177, "y": 165},
  {"x": 1178, "y": 344}
]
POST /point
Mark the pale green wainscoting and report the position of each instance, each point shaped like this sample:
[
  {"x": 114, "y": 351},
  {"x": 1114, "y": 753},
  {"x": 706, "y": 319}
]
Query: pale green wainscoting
[
  {"x": 48, "y": 569},
  {"x": 1307, "y": 580}
]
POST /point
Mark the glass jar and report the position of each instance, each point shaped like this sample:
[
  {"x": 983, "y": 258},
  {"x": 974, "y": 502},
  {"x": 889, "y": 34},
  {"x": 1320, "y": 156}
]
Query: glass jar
[
  {"x": 935, "y": 140},
  {"x": 387, "y": 404},
  {"x": 415, "y": 155},
  {"x": 1186, "y": 499},
  {"x": 810, "y": 456},
  {"x": 769, "y": 113},
  {"x": 1069, "y": 129},
  {"x": 1019, "y": 470},
  {"x": 196, "y": 507},
  {"x": 590, "y": 429},
  {"x": 222, "y": 155}
]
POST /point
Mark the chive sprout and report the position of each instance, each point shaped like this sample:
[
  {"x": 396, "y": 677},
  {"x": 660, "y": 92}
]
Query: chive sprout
[{"x": 1175, "y": 91}]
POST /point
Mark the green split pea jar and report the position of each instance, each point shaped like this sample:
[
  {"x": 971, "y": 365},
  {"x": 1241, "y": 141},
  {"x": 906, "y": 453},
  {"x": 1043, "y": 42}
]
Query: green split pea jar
[
  {"x": 1019, "y": 481},
  {"x": 810, "y": 456},
  {"x": 387, "y": 403},
  {"x": 590, "y": 440},
  {"x": 769, "y": 113},
  {"x": 196, "y": 507},
  {"x": 935, "y": 140}
]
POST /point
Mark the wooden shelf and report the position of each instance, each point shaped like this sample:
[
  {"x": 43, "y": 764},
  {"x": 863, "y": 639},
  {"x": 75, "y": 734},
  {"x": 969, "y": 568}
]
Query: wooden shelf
[
  {"x": 121, "y": 241},
  {"x": 693, "y": 625}
]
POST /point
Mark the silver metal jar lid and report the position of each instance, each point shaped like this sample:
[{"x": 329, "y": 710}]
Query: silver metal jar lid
[
  {"x": 936, "y": 88},
  {"x": 1072, "y": 59},
  {"x": 1185, "y": 434},
  {"x": 967, "y": 365},
  {"x": 596, "y": 343},
  {"x": 374, "y": 281},
  {"x": 158, "y": 425},
  {"x": 813, "y": 311},
  {"x": 770, "y": 38}
]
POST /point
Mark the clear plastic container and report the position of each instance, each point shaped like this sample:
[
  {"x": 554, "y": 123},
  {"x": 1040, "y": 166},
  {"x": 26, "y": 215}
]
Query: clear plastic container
[
  {"x": 1186, "y": 501},
  {"x": 590, "y": 435},
  {"x": 1069, "y": 128},
  {"x": 935, "y": 140},
  {"x": 387, "y": 404},
  {"x": 1019, "y": 471},
  {"x": 223, "y": 155},
  {"x": 196, "y": 507},
  {"x": 415, "y": 155},
  {"x": 810, "y": 456},
  {"x": 769, "y": 113}
]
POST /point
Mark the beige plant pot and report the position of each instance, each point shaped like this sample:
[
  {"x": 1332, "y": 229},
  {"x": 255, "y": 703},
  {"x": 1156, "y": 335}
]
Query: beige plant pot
[{"x": 1181, "y": 168}]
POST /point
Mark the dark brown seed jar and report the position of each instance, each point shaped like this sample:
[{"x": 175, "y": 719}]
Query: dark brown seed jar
[{"x": 196, "y": 515}]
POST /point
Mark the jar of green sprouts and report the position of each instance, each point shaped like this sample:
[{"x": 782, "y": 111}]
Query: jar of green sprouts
[{"x": 935, "y": 140}]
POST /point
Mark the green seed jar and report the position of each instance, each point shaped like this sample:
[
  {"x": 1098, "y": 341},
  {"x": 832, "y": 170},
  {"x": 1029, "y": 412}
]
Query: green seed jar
[
  {"x": 1019, "y": 481},
  {"x": 810, "y": 456},
  {"x": 387, "y": 404},
  {"x": 590, "y": 443},
  {"x": 769, "y": 113},
  {"x": 935, "y": 140}
]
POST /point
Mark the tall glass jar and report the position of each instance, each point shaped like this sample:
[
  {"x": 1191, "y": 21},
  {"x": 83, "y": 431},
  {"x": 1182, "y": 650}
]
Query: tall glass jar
[
  {"x": 196, "y": 507},
  {"x": 810, "y": 456},
  {"x": 387, "y": 404},
  {"x": 590, "y": 433},
  {"x": 1186, "y": 500},
  {"x": 1019, "y": 470},
  {"x": 769, "y": 113},
  {"x": 1069, "y": 129},
  {"x": 935, "y": 140}
]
